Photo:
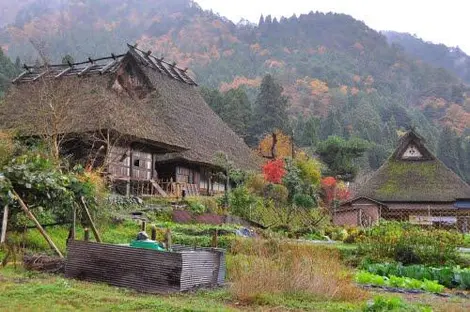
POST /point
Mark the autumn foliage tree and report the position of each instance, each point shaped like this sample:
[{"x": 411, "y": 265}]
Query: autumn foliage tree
[
  {"x": 334, "y": 191},
  {"x": 275, "y": 145},
  {"x": 274, "y": 171}
]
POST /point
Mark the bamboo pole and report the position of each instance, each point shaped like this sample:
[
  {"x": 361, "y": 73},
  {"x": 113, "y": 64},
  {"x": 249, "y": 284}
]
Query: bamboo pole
[
  {"x": 74, "y": 221},
  {"x": 38, "y": 225},
  {"x": 3, "y": 236},
  {"x": 92, "y": 224}
]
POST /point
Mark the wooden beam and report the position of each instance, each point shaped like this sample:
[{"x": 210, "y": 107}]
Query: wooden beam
[
  {"x": 38, "y": 225},
  {"x": 41, "y": 74},
  {"x": 92, "y": 224},
  {"x": 65, "y": 71},
  {"x": 108, "y": 66},
  {"x": 86, "y": 69},
  {"x": 4, "y": 225},
  {"x": 21, "y": 76}
]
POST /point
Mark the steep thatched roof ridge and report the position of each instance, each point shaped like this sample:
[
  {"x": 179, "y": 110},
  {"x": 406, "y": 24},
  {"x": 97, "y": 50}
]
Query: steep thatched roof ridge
[
  {"x": 135, "y": 94},
  {"x": 417, "y": 180},
  {"x": 203, "y": 131},
  {"x": 79, "y": 105}
]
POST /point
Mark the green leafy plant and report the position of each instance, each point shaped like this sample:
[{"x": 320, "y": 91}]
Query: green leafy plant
[{"x": 363, "y": 277}]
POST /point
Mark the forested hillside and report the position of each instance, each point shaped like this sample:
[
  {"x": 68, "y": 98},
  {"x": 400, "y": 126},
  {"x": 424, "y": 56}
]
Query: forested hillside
[
  {"x": 439, "y": 55},
  {"x": 338, "y": 76}
]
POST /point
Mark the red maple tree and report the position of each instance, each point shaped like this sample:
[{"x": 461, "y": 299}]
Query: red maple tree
[{"x": 274, "y": 171}]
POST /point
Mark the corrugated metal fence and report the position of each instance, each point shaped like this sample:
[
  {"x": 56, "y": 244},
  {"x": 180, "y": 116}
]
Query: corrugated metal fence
[{"x": 144, "y": 270}]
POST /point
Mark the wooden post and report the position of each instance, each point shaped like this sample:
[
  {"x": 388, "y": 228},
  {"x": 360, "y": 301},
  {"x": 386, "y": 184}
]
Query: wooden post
[
  {"x": 215, "y": 238},
  {"x": 38, "y": 225},
  {"x": 4, "y": 225},
  {"x": 143, "y": 226},
  {"x": 168, "y": 239},
  {"x": 154, "y": 233},
  {"x": 74, "y": 222},
  {"x": 93, "y": 227},
  {"x": 86, "y": 234}
]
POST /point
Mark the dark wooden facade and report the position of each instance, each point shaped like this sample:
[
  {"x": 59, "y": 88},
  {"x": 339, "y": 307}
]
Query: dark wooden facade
[{"x": 134, "y": 170}]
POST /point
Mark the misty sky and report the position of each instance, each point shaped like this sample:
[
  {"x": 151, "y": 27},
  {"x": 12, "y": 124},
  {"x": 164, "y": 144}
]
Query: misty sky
[{"x": 433, "y": 20}]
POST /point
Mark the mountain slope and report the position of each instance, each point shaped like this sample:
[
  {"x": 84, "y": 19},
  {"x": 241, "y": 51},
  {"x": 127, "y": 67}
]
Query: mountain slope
[
  {"x": 326, "y": 62},
  {"x": 439, "y": 55}
]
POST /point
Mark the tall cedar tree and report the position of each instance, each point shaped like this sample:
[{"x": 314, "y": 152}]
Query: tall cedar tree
[
  {"x": 234, "y": 107},
  {"x": 271, "y": 108},
  {"x": 237, "y": 111},
  {"x": 7, "y": 71},
  {"x": 447, "y": 150}
]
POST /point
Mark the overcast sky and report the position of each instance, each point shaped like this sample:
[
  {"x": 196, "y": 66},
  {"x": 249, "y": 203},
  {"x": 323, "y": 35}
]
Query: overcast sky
[{"x": 438, "y": 21}]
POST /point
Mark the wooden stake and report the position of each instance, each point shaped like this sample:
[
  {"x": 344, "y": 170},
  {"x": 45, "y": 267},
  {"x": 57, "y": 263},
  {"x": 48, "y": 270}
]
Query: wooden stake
[
  {"x": 168, "y": 239},
  {"x": 3, "y": 236},
  {"x": 154, "y": 233},
  {"x": 74, "y": 221},
  {"x": 86, "y": 234},
  {"x": 93, "y": 227},
  {"x": 215, "y": 239},
  {"x": 38, "y": 225}
]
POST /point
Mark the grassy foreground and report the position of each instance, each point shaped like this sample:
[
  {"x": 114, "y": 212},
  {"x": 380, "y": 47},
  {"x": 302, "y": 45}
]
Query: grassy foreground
[{"x": 25, "y": 291}]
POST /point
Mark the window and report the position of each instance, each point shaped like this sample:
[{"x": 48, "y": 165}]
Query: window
[{"x": 137, "y": 163}]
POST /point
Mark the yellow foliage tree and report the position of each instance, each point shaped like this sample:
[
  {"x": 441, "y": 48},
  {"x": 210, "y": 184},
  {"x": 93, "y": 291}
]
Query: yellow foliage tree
[{"x": 275, "y": 145}]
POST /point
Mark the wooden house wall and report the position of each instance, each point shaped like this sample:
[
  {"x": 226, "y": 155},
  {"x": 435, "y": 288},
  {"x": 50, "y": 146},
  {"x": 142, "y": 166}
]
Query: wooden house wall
[
  {"x": 141, "y": 165},
  {"x": 119, "y": 162},
  {"x": 188, "y": 175}
]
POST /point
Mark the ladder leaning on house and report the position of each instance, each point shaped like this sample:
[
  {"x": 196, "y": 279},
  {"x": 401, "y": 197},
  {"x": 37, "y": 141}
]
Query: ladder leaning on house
[{"x": 158, "y": 188}]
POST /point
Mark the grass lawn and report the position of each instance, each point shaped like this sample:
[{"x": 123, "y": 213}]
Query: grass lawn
[
  {"x": 26, "y": 291},
  {"x": 21, "y": 290}
]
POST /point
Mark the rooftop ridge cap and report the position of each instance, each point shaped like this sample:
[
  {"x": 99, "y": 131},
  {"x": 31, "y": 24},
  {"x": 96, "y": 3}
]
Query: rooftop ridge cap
[
  {"x": 158, "y": 59},
  {"x": 77, "y": 63}
]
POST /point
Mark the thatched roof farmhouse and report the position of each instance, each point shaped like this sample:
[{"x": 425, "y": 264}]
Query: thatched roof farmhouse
[
  {"x": 413, "y": 185},
  {"x": 167, "y": 133}
]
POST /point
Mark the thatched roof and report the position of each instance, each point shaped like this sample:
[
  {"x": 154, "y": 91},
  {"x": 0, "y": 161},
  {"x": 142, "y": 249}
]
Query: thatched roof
[
  {"x": 414, "y": 174},
  {"x": 135, "y": 94}
]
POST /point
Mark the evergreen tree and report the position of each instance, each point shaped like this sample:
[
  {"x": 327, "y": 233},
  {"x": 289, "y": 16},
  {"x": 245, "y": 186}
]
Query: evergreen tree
[
  {"x": 270, "y": 109},
  {"x": 447, "y": 150},
  {"x": 67, "y": 59},
  {"x": 7, "y": 71},
  {"x": 18, "y": 63},
  {"x": 214, "y": 98},
  {"x": 237, "y": 111},
  {"x": 340, "y": 155}
]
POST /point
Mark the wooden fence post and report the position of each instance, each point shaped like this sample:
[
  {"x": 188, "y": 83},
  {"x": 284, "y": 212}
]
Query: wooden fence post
[
  {"x": 92, "y": 224},
  {"x": 215, "y": 238},
  {"x": 154, "y": 233},
  {"x": 86, "y": 234},
  {"x": 168, "y": 239},
  {"x": 38, "y": 225},
  {"x": 3, "y": 236}
]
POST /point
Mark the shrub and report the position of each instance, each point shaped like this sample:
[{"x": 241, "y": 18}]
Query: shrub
[
  {"x": 304, "y": 201},
  {"x": 255, "y": 184},
  {"x": 277, "y": 192},
  {"x": 259, "y": 267},
  {"x": 410, "y": 244},
  {"x": 242, "y": 202},
  {"x": 310, "y": 170},
  {"x": 383, "y": 304}
]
